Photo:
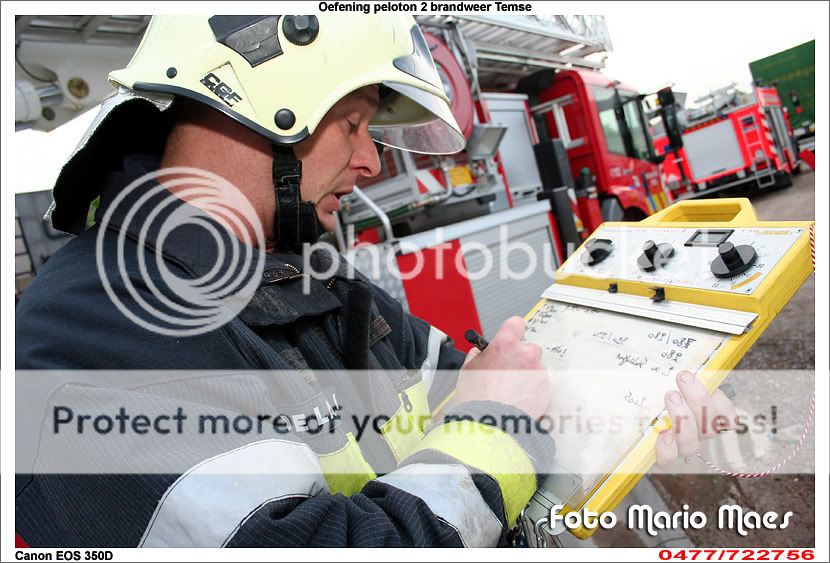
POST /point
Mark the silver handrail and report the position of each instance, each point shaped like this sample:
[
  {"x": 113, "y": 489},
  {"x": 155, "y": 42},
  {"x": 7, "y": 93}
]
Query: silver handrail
[{"x": 381, "y": 214}]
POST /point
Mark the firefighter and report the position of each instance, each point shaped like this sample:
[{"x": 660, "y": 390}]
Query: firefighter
[{"x": 288, "y": 111}]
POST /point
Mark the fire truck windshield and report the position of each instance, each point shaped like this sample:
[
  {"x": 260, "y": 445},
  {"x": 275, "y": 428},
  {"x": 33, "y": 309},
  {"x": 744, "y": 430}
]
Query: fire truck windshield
[{"x": 622, "y": 120}]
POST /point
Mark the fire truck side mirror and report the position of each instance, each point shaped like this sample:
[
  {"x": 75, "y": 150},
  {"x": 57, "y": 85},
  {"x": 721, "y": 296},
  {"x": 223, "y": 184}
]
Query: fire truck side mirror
[
  {"x": 666, "y": 97},
  {"x": 668, "y": 112}
]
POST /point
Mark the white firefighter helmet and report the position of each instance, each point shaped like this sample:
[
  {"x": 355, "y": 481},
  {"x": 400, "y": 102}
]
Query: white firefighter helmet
[
  {"x": 279, "y": 75},
  {"x": 276, "y": 75}
]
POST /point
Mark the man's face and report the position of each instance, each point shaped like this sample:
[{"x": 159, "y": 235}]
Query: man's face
[{"x": 338, "y": 153}]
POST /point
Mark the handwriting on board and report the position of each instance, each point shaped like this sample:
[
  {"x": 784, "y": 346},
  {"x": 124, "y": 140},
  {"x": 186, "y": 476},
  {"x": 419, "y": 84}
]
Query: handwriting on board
[{"x": 609, "y": 374}]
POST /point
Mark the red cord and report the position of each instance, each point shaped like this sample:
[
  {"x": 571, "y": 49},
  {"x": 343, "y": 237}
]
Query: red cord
[{"x": 808, "y": 422}]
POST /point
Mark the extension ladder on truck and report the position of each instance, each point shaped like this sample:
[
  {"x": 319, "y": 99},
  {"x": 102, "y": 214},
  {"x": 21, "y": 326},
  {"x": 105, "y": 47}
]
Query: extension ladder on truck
[{"x": 500, "y": 50}]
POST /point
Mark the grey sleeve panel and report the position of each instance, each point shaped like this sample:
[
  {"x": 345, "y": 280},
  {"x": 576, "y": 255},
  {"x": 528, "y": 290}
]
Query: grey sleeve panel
[{"x": 451, "y": 494}]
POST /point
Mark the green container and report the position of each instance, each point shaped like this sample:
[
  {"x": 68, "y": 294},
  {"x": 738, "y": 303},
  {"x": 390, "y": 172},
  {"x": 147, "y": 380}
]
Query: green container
[{"x": 794, "y": 71}]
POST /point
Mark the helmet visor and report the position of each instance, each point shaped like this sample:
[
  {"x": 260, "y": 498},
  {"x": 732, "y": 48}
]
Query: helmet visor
[{"x": 414, "y": 120}]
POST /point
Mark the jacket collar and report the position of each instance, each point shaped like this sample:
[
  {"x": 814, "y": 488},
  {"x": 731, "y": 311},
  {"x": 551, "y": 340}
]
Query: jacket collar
[{"x": 151, "y": 216}]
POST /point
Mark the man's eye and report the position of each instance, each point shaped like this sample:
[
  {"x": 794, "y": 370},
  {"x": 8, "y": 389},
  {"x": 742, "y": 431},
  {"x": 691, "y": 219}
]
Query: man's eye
[{"x": 353, "y": 127}]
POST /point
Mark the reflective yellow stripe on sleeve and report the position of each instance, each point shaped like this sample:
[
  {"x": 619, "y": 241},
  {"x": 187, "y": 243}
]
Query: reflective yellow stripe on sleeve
[
  {"x": 346, "y": 471},
  {"x": 493, "y": 452}
]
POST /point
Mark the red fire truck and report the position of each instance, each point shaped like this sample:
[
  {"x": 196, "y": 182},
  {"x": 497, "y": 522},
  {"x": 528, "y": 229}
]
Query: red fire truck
[
  {"x": 607, "y": 133},
  {"x": 554, "y": 148},
  {"x": 731, "y": 140}
]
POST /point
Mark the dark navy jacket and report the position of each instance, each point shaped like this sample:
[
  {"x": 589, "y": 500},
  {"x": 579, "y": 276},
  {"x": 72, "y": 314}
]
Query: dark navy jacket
[{"x": 67, "y": 320}]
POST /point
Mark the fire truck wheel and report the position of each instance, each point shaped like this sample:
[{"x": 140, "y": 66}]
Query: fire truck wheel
[{"x": 797, "y": 168}]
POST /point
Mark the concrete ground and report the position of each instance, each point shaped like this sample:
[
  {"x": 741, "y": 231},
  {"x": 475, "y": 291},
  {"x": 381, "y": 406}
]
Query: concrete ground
[{"x": 789, "y": 343}]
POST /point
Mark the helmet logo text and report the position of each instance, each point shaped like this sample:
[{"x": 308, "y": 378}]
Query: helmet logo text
[{"x": 222, "y": 90}]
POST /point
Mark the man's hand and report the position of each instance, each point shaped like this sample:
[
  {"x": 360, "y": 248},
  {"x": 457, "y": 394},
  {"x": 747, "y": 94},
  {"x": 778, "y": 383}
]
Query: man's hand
[
  {"x": 696, "y": 415},
  {"x": 508, "y": 371}
]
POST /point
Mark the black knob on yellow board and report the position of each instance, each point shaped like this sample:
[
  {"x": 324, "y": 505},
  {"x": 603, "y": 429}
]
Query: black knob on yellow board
[
  {"x": 733, "y": 260},
  {"x": 597, "y": 250},
  {"x": 654, "y": 255}
]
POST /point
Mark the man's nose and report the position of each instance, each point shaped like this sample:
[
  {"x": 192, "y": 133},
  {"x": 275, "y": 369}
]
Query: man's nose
[{"x": 366, "y": 157}]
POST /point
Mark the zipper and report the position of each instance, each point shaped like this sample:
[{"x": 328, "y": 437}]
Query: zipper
[
  {"x": 282, "y": 279},
  {"x": 329, "y": 284},
  {"x": 272, "y": 276},
  {"x": 407, "y": 404}
]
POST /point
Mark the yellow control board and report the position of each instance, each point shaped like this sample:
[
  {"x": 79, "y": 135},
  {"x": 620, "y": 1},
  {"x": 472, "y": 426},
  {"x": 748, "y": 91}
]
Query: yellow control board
[{"x": 691, "y": 287}]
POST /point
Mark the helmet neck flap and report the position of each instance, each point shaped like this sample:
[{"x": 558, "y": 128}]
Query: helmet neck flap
[{"x": 295, "y": 220}]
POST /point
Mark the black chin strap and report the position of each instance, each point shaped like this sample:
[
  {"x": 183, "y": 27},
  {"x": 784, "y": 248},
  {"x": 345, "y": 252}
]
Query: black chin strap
[{"x": 295, "y": 221}]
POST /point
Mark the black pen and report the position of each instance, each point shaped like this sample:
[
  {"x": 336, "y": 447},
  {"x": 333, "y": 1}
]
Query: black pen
[{"x": 474, "y": 338}]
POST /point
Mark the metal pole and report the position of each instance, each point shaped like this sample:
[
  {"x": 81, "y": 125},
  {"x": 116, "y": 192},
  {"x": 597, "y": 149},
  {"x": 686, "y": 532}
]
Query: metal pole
[{"x": 381, "y": 214}]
